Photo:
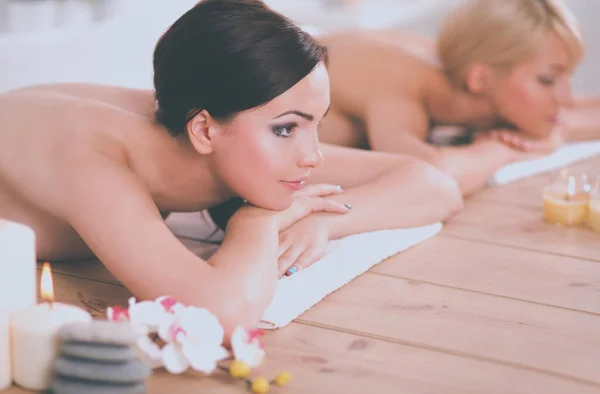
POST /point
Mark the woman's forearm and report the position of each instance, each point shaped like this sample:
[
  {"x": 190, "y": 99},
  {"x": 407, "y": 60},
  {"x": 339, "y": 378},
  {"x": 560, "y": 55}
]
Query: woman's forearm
[
  {"x": 246, "y": 266},
  {"x": 409, "y": 195},
  {"x": 472, "y": 166}
]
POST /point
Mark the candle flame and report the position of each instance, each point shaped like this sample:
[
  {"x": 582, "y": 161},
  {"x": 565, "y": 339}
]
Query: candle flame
[
  {"x": 47, "y": 285},
  {"x": 571, "y": 187}
]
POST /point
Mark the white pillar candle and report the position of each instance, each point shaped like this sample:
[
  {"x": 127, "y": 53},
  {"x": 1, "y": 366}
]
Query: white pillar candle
[
  {"x": 34, "y": 337},
  {"x": 17, "y": 285}
]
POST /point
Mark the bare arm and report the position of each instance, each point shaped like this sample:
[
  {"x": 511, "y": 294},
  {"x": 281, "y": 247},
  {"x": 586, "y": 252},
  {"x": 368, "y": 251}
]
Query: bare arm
[
  {"x": 399, "y": 126},
  {"x": 385, "y": 191},
  {"x": 118, "y": 220},
  {"x": 582, "y": 120},
  {"x": 137, "y": 101}
]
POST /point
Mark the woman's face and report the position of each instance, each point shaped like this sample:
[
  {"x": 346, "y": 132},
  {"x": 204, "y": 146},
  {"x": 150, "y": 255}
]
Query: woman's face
[
  {"x": 265, "y": 154},
  {"x": 532, "y": 95}
]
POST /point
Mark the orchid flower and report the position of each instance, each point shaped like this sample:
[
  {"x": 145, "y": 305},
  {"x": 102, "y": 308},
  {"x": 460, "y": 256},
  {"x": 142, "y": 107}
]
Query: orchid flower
[
  {"x": 247, "y": 346},
  {"x": 193, "y": 336}
]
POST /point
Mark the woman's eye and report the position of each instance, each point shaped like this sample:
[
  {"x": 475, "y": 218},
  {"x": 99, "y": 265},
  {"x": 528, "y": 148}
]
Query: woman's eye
[
  {"x": 284, "y": 130},
  {"x": 546, "y": 81}
]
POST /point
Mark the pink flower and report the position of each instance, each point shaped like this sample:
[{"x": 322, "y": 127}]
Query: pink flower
[
  {"x": 194, "y": 339},
  {"x": 247, "y": 346},
  {"x": 170, "y": 330},
  {"x": 117, "y": 314},
  {"x": 193, "y": 336}
]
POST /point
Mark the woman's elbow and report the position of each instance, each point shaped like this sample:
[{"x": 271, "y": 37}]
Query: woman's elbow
[{"x": 438, "y": 188}]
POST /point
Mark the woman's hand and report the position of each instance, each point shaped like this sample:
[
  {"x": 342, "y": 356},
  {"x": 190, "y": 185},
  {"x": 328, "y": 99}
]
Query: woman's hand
[
  {"x": 312, "y": 198},
  {"x": 520, "y": 142},
  {"x": 301, "y": 245}
]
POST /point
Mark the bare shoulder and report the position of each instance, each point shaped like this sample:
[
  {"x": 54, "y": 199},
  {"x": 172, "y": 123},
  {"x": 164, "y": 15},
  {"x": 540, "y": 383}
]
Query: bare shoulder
[
  {"x": 138, "y": 101},
  {"x": 47, "y": 139}
]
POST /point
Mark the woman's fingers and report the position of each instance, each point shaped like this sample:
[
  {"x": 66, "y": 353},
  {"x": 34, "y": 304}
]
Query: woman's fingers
[
  {"x": 288, "y": 258},
  {"x": 304, "y": 206},
  {"x": 320, "y": 190},
  {"x": 297, "y": 259},
  {"x": 309, "y": 257}
]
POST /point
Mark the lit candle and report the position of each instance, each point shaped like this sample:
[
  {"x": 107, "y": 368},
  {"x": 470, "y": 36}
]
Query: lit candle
[
  {"x": 34, "y": 336},
  {"x": 568, "y": 207},
  {"x": 593, "y": 219},
  {"x": 17, "y": 285}
]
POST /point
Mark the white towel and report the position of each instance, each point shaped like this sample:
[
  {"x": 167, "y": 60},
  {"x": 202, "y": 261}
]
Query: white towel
[
  {"x": 346, "y": 259},
  {"x": 566, "y": 155}
]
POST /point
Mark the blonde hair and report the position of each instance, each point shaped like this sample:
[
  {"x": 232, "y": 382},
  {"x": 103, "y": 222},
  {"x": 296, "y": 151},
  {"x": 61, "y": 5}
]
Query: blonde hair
[{"x": 501, "y": 33}]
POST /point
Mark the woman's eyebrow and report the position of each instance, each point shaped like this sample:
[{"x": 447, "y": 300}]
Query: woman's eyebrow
[{"x": 295, "y": 112}]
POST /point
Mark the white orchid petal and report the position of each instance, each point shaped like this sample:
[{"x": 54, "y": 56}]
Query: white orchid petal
[
  {"x": 174, "y": 360},
  {"x": 222, "y": 353},
  {"x": 202, "y": 325},
  {"x": 147, "y": 313},
  {"x": 251, "y": 353},
  {"x": 167, "y": 329},
  {"x": 203, "y": 359},
  {"x": 238, "y": 337}
]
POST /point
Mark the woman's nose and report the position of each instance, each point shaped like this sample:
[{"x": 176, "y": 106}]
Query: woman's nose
[
  {"x": 564, "y": 95},
  {"x": 311, "y": 155}
]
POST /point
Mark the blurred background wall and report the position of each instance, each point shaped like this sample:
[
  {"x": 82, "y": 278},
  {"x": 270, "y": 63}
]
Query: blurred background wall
[{"x": 111, "y": 41}]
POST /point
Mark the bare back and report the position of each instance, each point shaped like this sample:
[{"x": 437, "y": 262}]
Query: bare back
[
  {"x": 384, "y": 69},
  {"x": 49, "y": 140}
]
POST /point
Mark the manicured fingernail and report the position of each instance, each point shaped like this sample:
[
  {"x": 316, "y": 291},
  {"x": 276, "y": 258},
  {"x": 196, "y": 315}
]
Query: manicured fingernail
[
  {"x": 291, "y": 270},
  {"x": 348, "y": 206}
]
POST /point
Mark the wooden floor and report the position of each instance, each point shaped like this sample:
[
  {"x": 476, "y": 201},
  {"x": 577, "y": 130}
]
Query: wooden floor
[{"x": 499, "y": 302}]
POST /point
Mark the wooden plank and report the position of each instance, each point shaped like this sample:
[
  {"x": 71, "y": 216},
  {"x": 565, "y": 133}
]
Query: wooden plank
[
  {"x": 466, "y": 323},
  {"x": 500, "y": 270},
  {"x": 522, "y": 227},
  {"x": 528, "y": 191},
  {"x": 325, "y": 361}
]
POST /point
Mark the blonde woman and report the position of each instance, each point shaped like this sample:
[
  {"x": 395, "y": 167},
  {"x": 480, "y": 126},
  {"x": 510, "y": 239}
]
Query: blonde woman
[{"x": 498, "y": 66}]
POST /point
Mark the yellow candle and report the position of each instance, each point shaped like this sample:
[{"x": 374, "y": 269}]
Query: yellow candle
[
  {"x": 34, "y": 336},
  {"x": 569, "y": 207},
  {"x": 593, "y": 219},
  {"x": 17, "y": 285}
]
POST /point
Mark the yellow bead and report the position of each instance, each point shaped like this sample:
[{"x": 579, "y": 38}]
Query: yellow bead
[
  {"x": 239, "y": 369},
  {"x": 260, "y": 386},
  {"x": 282, "y": 378}
]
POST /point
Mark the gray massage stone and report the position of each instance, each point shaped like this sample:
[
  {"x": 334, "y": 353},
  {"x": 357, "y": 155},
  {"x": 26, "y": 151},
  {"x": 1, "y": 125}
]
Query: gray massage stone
[
  {"x": 97, "y": 352},
  {"x": 133, "y": 371},
  {"x": 98, "y": 331},
  {"x": 62, "y": 385}
]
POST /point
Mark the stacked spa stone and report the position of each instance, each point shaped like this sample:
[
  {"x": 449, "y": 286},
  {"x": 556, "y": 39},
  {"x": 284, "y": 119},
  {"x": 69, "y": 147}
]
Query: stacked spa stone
[{"x": 98, "y": 357}]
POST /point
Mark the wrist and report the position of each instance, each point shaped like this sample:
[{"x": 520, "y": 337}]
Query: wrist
[{"x": 498, "y": 149}]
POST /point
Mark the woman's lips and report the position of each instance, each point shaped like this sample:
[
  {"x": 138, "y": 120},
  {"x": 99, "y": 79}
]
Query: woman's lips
[{"x": 294, "y": 185}]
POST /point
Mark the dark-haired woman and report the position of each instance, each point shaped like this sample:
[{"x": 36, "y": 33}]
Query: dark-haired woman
[{"x": 240, "y": 92}]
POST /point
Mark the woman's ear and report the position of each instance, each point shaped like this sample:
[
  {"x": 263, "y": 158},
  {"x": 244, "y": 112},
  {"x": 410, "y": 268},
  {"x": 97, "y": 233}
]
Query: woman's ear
[
  {"x": 478, "y": 78},
  {"x": 201, "y": 133}
]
